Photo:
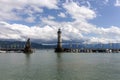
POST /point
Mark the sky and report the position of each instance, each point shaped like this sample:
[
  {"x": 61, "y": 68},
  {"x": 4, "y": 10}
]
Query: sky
[{"x": 90, "y": 21}]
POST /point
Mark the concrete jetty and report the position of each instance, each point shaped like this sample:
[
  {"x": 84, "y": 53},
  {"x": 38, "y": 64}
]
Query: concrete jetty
[{"x": 81, "y": 50}]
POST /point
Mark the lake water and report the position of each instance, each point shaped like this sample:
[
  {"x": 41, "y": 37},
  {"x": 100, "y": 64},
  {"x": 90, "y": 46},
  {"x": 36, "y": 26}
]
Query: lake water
[{"x": 47, "y": 65}]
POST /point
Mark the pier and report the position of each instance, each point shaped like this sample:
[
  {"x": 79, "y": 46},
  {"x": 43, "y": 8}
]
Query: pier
[
  {"x": 100, "y": 49},
  {"x": 91, "y": 50},
  {"x": 12, "y": 49}
]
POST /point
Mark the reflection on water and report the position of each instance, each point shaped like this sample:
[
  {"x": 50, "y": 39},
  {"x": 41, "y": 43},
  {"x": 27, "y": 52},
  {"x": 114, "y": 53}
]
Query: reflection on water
[
  {"x": 27, "y": 59},
  {"x": 58, "y": 55},
  {"x": 27, "y": 62},
  {"x": 59, "y": 66},
  {"x": 47, "y": 65}
]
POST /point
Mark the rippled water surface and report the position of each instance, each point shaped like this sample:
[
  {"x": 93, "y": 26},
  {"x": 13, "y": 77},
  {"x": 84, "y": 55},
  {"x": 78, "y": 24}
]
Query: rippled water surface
[{"x": 47, "y": 65}]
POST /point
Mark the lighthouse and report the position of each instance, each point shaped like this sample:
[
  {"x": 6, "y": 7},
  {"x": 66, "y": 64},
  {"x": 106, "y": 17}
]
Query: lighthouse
[{"x": 59, "y": 43}]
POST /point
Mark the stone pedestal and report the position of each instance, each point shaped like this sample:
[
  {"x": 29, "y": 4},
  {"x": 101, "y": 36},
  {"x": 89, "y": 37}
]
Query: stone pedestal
[
  {"x": 27, "y": 48},
  {"x": 59, "y": 50}
]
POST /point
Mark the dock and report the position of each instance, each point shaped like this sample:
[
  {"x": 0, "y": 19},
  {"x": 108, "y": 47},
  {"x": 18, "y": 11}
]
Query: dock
[
  {"x": 59, "y": 47},
  {"x": 91, "y": 50}
]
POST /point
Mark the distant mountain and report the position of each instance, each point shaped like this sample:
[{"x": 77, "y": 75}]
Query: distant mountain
[{"x": 21, "y": 44}]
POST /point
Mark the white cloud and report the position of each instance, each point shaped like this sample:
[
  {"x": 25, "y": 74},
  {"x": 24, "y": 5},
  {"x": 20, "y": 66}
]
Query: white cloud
[
  {"x": 62, "y": 15},
  {"x": 70, "y": 31},
  {"x": 8, "y": 8},
  {"x": 79, "y": 12},
  {"x": 82, "y": 30},
  {"x": 30, "y": 19},
  {"x": 67, "y": 1},
  {"x": 106, "y": 1},
  {"x": 117, "y": 3},
  {"x": 106, "y": 35},
  {"x": 22, "y": 32},
  {"x": 78, "y": 29},
  {"x": 88, "y": 3},
  {"x": 51, "y": 4},
  {"x": 51, "y": 17}
]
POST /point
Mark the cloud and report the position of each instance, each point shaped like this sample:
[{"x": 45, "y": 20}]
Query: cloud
[
  {"x": 62, "y": 15},
  {"x": 51, "y": 17},
  {"x": 70, "y": 32},
  {"x": 30, "y": 19},
  {"x": 79, "y": 12},
  {"x": 88, "y": 3},
  {"x": 117, "y": 3},
  {"x": 22, "y": 32},
  {"x": 76, "y": 30},
  {"x": 12, "y": 9},
  {"x": 81, "y": 29},
  {"x": 67, "y": 1},
  {"x": 105, "y": 1}
]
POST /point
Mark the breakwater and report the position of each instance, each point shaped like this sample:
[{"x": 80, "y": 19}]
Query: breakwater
[{"x": 91, "y": 50}]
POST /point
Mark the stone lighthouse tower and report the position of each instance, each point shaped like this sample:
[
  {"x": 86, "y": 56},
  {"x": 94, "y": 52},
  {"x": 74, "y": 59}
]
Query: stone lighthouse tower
[{"x": 59, "y": 43}]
